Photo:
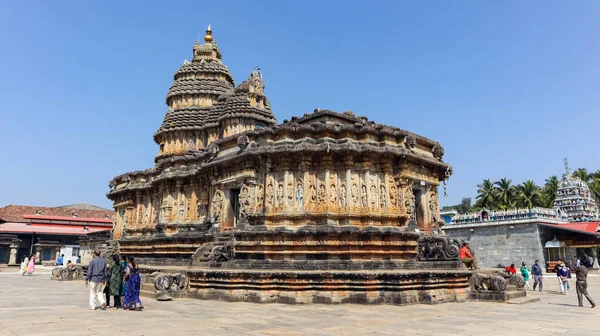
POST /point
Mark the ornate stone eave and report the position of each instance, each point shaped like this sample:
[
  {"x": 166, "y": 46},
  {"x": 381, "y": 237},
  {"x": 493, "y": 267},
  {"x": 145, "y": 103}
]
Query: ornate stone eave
[{"x": 196, "y": 161}]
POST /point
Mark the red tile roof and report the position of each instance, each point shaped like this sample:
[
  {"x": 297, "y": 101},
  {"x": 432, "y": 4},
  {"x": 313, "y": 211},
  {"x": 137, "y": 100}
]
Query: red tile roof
[
  {"x": 583, "y": 227},
  {"x": 42, "y": 229},
  {"x": 15, "y": 213},
  {"x": 33, "y": 218}
]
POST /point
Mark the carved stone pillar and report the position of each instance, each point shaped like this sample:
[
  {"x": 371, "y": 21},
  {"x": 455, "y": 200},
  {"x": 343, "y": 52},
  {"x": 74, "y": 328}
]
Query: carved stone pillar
[{"x": 12, "y": 259}]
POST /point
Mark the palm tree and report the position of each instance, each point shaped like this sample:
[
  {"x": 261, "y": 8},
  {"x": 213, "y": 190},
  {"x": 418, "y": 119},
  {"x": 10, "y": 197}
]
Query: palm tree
[
  {"x": 529, "y": 194},
  {"x": 594, "y": 185},
  {"x": 582, "y": 174},
  {"x": 505, "y": 193},
  {"x": 486, "y": 195},
  {"x": 549, "y": 191}
]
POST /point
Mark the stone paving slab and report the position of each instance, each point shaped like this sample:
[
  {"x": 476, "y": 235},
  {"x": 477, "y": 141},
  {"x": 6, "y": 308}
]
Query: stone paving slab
[{"x": 37, "y": 305}]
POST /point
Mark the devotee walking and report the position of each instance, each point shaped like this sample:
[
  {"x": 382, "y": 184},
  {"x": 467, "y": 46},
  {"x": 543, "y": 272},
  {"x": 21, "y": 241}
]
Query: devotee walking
[
  {"x": 78, "y": 260},
  {"x": 581, "y": 273},
  {"x": 132, "y": 287},
  {"x": 511, "y": 269},
  {"x": 60, "y": 260},
  {"x": 30, "y": 266},
  {"x": 565, "y": 279},
  {"x": 525, "y": 273},
  {"x": 96, "y": 277},
  {"x": 467, "y": 258},
  {"x": 538, "y": 278},
  {"x": 23, "y": 268},
  {"x": 115, "y": 282}
]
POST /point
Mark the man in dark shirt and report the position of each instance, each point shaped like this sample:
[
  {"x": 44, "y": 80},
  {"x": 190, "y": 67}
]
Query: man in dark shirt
[
  {"x": 581, "y": 273},
  {"x": 538, "y": 278},
  {"x": 96, "y": 276}
]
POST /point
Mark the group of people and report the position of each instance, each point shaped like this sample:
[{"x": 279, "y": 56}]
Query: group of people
[
  {"x": 27, "y": 266},
  {"x": 61, "y": 261},
  {"x": 563, "y": 275},
  {"x": 120, "y": 280}
]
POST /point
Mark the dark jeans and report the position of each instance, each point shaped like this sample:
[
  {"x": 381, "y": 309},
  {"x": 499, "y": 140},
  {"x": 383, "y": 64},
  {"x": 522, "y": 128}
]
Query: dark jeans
[
  {"x": 116, "y": 298},
  {"x": 581, "y": 287},
  {"x": 538, "y": 279}
]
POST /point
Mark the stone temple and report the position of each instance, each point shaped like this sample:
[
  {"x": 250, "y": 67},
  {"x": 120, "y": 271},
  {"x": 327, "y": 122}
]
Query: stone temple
[{"x": 323, "y": 208}]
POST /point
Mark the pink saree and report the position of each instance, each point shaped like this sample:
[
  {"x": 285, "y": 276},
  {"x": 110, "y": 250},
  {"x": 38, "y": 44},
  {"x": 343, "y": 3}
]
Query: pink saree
[{"x": 31, "y": 266}]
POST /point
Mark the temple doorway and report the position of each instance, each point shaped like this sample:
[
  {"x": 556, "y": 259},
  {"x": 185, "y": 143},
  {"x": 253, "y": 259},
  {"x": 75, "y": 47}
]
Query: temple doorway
[{"x": 234, "y": 205}]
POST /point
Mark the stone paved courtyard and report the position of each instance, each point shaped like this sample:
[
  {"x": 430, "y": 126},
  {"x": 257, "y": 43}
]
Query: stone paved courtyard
[{"x": 39, "y": 306}]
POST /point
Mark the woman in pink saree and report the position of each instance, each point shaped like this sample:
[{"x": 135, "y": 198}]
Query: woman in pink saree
[{"x": 31, "y": 266}]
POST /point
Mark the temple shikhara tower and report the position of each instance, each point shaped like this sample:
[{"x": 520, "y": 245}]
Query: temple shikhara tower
[
  {"x": 574, "y": 201},
  {"x": 326, "y": 207}
]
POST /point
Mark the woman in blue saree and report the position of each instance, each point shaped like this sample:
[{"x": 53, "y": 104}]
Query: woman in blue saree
[{"x": 132, "y": 287}]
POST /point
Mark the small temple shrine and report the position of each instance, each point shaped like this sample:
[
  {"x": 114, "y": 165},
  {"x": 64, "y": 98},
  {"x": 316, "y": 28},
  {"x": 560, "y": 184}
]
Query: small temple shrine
[
  {"x": 570, "y": 230},
  {"x": 574, "y": 201},
  {"x": 326, "y": 207}
]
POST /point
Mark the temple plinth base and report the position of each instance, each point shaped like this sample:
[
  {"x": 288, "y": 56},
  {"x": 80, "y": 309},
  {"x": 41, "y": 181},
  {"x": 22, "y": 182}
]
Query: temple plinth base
[{"x": 397, "y": 287}]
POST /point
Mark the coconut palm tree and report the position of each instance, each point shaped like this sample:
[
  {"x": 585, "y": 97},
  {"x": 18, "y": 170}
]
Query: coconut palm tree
[
  {"x": 486, "y": 195},
  {"x": 505, "y": 193},
  {"x": 582, "y": 174},
  {"x": 594, "y": 185},
  {"x": 528, "y": 195},
  {"x": 549, "y": 191}
]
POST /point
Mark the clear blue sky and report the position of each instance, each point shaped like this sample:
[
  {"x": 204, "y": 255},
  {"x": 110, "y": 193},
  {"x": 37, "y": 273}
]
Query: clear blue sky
[{"x": 509, "y": 88}]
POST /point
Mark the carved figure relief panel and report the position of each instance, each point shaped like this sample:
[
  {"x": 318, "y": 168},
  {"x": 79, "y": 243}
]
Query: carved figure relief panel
[
  {"x": 279, "y": 199},
  {"x": 216, "y": 210},
  {"x": 433, "y": 203},
  {"x": 245, "y": 202},
  {"x": 312, "y": 192},
  {"x": 373, "y": 192},
  {"x": 289, "y": 192},
  {"x": 333, "y": 192},
  {"x": 343, "y": 195},
  {"x": 393, "y": 194},
  {"x": 260, "y": 196},
  {"x": 300, "y": 194},
  {"x": 354, "y": 191},
  {"x": 270, "y": 195}
]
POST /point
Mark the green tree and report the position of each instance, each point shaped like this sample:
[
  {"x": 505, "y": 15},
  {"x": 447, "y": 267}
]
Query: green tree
[
  {"x": 464, "y": 206},
  {"x": 529, "y": 195},
  {"x": 486, "y": 195},
  {"x": 505, "y": 193},
  {"x": 594, "y": 185},
  {"x": 582, "y": 174},
  {"x": 549, "y": 191}
]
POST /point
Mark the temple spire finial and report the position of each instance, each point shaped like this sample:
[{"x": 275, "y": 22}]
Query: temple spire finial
[
  {"x": 208, "y": 37},
  {"x": 567, "y": 169}
]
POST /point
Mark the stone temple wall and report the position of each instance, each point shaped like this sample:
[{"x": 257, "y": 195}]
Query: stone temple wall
[{"x": 500, "y": 244}]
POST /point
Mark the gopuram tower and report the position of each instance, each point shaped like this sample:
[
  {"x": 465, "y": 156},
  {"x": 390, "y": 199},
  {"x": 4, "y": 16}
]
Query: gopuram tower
[{"x": 327, "y": 207}]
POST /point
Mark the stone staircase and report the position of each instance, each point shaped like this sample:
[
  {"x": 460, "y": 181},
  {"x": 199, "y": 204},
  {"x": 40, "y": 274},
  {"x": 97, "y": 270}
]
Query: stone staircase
[
  {"x": 223, "y": 239},
  {"x": 148, "y": 291}
]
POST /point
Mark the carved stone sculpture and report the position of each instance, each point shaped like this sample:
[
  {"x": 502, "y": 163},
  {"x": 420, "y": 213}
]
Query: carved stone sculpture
[
  {"x": 363, "y": 195},
  {"x": 217, "y": 206},
  {"x": 438, "y": 248},
  {"x": 290, "y": 194},
  {"x": 343, "y": 191},
  {"x": 322, "y": 196},
  {"x": 300, "y": 193},
  {"x": 218, "y": 255},
  {"x": 488, "y": 282},
  {"x": 66, "y": 273},
  {"x": 166, "y": 284}
]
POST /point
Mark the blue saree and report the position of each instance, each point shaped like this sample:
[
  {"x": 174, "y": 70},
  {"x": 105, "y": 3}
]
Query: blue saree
[{"x": 132, "y": 290}]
